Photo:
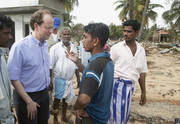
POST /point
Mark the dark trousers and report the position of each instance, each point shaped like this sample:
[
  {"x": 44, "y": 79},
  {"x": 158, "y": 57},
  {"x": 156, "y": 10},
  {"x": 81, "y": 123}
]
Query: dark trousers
[
  {"x": 84, "y": 121},
  {"x": 42, "y": 98}
]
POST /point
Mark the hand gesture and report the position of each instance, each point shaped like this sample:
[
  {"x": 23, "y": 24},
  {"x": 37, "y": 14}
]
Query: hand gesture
[{"x": 72, "y": 56}]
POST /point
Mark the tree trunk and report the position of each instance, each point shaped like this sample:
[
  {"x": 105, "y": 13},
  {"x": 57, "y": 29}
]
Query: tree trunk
[
  {"x": 131, "y": 9},
  {"x": 143, "y": 19}
]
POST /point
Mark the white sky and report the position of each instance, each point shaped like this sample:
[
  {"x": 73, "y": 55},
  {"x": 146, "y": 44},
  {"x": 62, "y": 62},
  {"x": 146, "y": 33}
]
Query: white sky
[{"x": 104, "y": 11}]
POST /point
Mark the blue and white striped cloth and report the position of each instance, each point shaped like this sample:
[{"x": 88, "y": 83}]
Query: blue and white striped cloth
[{"x": 121, "y": 101}]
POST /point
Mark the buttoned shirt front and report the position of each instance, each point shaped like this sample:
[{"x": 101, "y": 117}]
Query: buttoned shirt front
[
  {"x": 28, "y": 62},
  {"x": 5, "y": 91},
  {"x": 61, "y": 65},
  {"x": 128, "y": 66}
]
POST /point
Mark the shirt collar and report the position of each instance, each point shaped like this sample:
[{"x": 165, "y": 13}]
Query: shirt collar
[
  {"x": 137, "y": 44},
  {"x": 3, "y": 51},
  {"x": 36, "y": 41},
  {"x": 97, "y": 55},
  {"x": 64, "y": 45},
  {"x": 124, "y": 43}
]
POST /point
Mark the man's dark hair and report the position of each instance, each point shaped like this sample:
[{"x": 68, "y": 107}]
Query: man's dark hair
[
  {"x": 5, "y": 21},
  {"x": 134, "y": 23},
  {"x": 37, "y": 17},
  {"x": 98, "y": 30}
]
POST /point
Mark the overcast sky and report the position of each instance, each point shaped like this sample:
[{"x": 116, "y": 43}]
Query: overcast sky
[{"x": 104, "y": 11}]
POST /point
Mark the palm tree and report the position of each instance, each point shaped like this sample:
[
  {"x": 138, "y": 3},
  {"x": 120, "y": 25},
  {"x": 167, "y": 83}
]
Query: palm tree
[
  {"x": 139, "y": 6},
  {"x": 69, "y": 4},
  {"x": 173, "y": 14},
  {"x": 131, "y": 6},
  {"x": 172, "y": 17},
  {"x": 143, "y": 19},
  {"x": 124, "y": 5}
]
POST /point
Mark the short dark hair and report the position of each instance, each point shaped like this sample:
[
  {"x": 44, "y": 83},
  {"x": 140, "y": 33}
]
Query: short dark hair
[
  {"x": 134, "y": 23},
  {"x": 5, "y": 21},
  {"x": 37, "y": 17},
  {"x": 99, "y": 30}
]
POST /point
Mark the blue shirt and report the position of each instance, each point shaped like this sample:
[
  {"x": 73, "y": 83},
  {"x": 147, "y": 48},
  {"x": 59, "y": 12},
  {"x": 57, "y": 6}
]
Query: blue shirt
[
  {"x": 28, "y": 62},
  {"x": 97, "y": 82}
]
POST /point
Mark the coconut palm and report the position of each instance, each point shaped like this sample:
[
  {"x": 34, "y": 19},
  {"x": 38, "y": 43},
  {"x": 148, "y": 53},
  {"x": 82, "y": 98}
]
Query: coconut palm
[
  {"x": 124, "y": 5},
  {"x": 143, "y": 19},
  {"x": 69, "y": 4},
  {"x": 173, "y": 15},
  {"x": 139, "y": 6},
  {"x": 131, "y": 9}
]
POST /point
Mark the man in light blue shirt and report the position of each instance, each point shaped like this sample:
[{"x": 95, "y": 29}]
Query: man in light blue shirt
[
  {"x": 6, "y": 116},
  {"x": 28, "y": 66}
]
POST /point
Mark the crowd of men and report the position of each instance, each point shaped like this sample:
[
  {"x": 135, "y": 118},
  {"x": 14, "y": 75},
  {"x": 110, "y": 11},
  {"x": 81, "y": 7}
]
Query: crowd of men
[{"x": 45, "y": 62}]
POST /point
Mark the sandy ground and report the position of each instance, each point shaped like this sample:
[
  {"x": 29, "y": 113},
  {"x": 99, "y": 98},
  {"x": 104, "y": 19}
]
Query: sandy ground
[
  {"x": 163, "y": 89},
  {"x": 163, "y": 78}
]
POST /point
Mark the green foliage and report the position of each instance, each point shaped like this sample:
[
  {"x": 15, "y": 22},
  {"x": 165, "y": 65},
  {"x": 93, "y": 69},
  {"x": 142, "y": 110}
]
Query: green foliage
[
  {"x": 116, "y": 32},
  {"x": 77, "y": 32},
  {"x": 68, "y": 19},
  {"x": 69, "y": 6},
  {"x": 172, "y": 17},
  {"x": 139, "y": 6},
  {"x": 173, "y": 14}
]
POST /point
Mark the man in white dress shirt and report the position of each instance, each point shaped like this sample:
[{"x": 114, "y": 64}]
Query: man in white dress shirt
[
  {"x": 130, "y": 65},
  {"x": 63, "y": 70}
]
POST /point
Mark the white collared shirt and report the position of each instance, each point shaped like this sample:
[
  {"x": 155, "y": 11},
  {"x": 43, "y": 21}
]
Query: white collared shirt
[
  {"x": 126, "y": 65},
  {"x": 55, "y": 37},
  {"x": 61, "y": 65}
]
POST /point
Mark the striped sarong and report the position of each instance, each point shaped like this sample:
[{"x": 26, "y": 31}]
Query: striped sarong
[{"x": 121, "y": 101}]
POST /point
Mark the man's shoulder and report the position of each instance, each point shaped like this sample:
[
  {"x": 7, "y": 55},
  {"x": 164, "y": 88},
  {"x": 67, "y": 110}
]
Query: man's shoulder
[
  {"x": 57, "y": 45},
  {"x": 99, "y": 62},
  {"x": 140, "y": 46},
  {"x": 23, "y": 42},
  {"x": 117, "y": 45}
]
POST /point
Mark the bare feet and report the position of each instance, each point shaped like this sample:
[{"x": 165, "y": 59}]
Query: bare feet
[
  {"x": 54, "y": 111},
  {"x": 67, "y": 120},
  {"x": 56, "y": 120}
]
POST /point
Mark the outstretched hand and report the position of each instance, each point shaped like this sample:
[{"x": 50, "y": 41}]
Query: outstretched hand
[{"x": 72, "y": 56}]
